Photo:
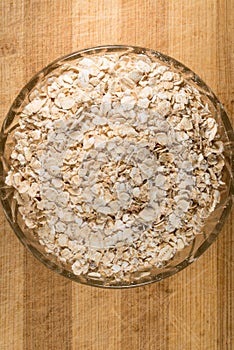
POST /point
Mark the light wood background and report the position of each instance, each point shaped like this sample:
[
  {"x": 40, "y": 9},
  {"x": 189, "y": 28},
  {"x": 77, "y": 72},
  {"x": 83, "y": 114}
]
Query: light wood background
[{"x": 192, "y": 310}]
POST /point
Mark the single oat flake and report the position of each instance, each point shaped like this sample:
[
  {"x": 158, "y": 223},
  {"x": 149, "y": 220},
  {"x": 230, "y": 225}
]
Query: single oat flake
[{"x": 116, "y": 165}]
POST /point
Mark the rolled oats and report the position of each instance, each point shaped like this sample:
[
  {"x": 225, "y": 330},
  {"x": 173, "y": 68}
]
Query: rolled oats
[{"x": 117, "y": 163}]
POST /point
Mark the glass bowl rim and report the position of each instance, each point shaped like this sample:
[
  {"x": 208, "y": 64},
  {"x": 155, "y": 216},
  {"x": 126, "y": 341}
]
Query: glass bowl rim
[{"x": 116, "y": 48}]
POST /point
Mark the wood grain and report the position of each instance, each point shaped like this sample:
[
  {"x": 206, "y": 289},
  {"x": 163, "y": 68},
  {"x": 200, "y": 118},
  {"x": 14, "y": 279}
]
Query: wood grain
[
  {"x": 192, "y": 310},
  {"x": 48, "y": 297}
]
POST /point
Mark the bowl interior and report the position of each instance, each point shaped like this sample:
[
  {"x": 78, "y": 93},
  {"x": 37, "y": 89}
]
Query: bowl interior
[{"x": 184, "y": 257}]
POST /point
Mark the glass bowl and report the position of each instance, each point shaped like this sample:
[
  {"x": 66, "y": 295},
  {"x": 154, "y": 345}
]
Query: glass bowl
[{"x": 182, "y": 258}]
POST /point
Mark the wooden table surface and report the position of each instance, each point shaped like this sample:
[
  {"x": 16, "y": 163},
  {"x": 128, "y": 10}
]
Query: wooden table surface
[{"x": 192, "y": 310}]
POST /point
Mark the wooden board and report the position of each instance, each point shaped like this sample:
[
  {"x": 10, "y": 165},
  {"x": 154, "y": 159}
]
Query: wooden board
[{"x": 192, "y": 310}]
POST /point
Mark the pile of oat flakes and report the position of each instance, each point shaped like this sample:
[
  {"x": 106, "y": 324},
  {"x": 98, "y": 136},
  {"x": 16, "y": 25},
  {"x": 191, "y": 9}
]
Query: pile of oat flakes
[{"x": 116, "y": 165}]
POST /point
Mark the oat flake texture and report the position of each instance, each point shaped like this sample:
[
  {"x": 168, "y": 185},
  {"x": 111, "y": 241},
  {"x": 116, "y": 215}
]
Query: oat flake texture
[{"x": 116, "y": 165}]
